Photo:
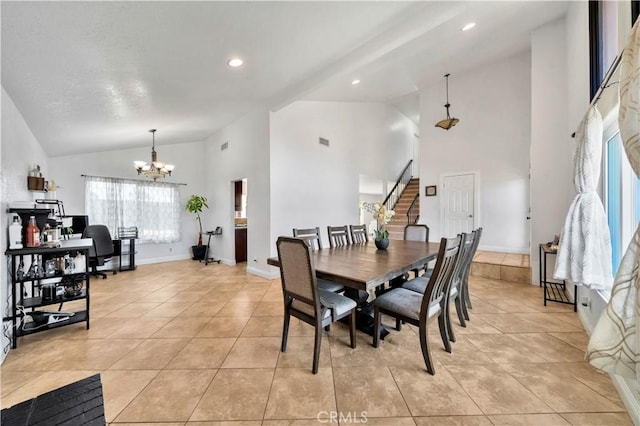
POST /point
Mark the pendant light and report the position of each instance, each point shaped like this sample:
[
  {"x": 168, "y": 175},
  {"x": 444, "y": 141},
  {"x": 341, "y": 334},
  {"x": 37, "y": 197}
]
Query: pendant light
[
  {"x": 448, "y": 122},
  {"x": 156, "y": 169}
]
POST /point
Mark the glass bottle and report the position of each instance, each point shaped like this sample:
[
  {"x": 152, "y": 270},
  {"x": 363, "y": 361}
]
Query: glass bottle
[{"x": 33, "y": 233}]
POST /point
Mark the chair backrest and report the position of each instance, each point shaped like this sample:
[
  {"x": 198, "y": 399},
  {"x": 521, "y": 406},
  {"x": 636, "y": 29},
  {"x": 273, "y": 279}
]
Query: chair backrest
[
  {"x": 338, "y": 236},
  {"x": 102, "y": 242},
  {"x": 464, "y": 258},
  {"x": 310, "y": 235},
  {"x": 359, "y": 234},
  {"x": 472, "y": 253},
  {"x": 441, "y": 276},
  {"x": 416, "y": 233},
  {"x": 297, "y": 273}
]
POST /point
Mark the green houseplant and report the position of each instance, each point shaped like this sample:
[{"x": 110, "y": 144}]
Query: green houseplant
[{"x": 196, "y": 205}]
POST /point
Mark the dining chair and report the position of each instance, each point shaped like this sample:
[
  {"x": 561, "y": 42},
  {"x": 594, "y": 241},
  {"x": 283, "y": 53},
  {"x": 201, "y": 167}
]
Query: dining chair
[
  {"x": 419, "y": 309},
  {"x": 415, "y": 232},
  {"x": 419, "y": 285},
  {"x": 465, "y": 275},
  {"x": 311, "y": 236},
  {"x": 303, "y": 299},
  {"x": 338, "y": 236},
  {"x": 359, "y": 234}
]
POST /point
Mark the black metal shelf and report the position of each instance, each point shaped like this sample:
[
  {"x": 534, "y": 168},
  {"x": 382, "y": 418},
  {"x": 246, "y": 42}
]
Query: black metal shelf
[
  {"x": 554, "y": 291},
  {"x": 36, "y": 302},
  {"x": 18, "y": 287},
  {"x": 77, "y": 317},
  {"x": 35, "y": 279}
]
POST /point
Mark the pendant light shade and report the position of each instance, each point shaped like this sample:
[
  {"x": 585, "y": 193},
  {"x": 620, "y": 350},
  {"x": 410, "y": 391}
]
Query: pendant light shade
[{"x": 448, "y": 122}]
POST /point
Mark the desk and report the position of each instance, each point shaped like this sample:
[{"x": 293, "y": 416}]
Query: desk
[{"x": 364, "y": 267}]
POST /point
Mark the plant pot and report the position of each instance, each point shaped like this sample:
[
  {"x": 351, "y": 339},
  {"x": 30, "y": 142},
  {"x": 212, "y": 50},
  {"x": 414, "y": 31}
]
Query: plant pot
[
  {"x": 382, "y": 244},
  {"x": 198, "y": 252}
]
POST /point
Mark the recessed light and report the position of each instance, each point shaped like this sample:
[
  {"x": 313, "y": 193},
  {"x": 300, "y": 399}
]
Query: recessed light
[
  {"x": 468, "y": 26},
  {"x": 235, "y": 62},
  {"x": 354, "y": 82}
]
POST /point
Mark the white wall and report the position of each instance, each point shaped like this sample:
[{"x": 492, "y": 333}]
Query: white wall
[
  {"x": 189, "y": 163},
  {"x": 552, "y": 147},
  {"x": 492, "y": 137},
  {"x": 315, "y": 185},
  {"x": 246, "y": 157},
  {"x": 19, "y": 151}
]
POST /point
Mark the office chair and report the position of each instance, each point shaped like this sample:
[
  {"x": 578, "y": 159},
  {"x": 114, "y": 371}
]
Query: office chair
[{"x": 102, "y": 249}]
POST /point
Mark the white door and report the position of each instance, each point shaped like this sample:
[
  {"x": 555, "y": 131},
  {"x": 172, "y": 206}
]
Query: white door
[{"x": 458, "y": 204}]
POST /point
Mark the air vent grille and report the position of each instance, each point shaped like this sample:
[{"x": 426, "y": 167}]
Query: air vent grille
[{"x": 324, "y": 141}]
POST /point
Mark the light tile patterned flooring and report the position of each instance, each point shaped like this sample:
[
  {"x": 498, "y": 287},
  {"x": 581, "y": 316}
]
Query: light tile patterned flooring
[{"x": 183, "y": 343}]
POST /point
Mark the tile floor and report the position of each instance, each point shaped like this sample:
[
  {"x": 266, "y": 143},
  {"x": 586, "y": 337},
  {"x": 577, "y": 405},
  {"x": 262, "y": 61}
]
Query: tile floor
[{"x": 181, "y": 343}]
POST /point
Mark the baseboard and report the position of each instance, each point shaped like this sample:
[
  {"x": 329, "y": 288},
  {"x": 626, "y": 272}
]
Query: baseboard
[
  {"x": 628, "y": 396},
  {"x": 162, "y": 259},
  {"x": 262, "y": 273},
  {"x": 502, "y": 249}
]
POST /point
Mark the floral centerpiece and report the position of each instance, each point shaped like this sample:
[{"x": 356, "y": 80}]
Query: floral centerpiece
[{"x": 382, "y": 217}]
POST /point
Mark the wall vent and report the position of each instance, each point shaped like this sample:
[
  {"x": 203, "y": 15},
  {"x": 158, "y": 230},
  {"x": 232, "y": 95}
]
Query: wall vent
[
  {"x": 224, "y": 146},
  {"x": 324, "y": 141}
]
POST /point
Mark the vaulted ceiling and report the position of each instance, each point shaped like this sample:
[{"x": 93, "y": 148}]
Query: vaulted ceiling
[{"x": 95, "y": 76}]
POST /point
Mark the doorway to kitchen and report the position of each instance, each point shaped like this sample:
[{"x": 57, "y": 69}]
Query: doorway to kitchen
[{"x": 240, "y": 219}]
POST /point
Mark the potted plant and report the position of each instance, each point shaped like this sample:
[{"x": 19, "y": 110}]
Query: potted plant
[
  {"x": 382, "y": 217},
  {"x": 196, "y": 205}
]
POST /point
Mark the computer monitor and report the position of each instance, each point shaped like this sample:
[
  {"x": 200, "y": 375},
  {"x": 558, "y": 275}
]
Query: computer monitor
[{"x": 78, "y": 223}]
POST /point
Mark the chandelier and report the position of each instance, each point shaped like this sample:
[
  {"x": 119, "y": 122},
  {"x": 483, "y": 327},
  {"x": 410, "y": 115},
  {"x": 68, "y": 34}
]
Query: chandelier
[
  {"x": 448, "y": 122},
  {"x": 157, "y": 169}
]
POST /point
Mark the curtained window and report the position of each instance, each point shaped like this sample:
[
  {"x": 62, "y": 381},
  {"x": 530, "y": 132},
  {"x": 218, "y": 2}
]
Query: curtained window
[
  {"x": 623, "y": 198},
  {"x": 153, "y": 207}
]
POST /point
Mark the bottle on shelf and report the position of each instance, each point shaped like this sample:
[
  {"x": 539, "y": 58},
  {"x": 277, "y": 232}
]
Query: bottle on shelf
[
  {"x": 46, "y": 234},
  {"x": 15, "y": 234},
  {"x": 33, "y": 233}
]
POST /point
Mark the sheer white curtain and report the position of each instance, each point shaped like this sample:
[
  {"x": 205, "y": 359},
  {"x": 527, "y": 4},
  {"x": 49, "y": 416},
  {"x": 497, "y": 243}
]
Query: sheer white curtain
[
  {"x": 614, "y": 346},
  {"x": 153, "y": 207}
]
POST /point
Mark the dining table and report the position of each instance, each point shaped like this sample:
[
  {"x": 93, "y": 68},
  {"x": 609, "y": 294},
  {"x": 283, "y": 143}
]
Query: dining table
[{"x": 365, "y": 267}]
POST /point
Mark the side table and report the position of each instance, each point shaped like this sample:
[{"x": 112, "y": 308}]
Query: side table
[{"x": 554, "y": 291}]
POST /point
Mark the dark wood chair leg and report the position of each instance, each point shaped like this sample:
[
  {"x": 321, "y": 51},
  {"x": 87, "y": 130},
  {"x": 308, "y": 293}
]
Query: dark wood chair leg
[
  {"x": 467, "y": 299},
  {"x": 327, "y": 328},
  {"x": 398, "y": 324},
  {"x": 285, "y": 331},
  {"x": 376, "y": 327},
  {"x": 448, "y": 325},
  {"x": 442, "y": 323},
  {"x": 352, "y": 328},
  {"x": 460, "y": 310},
  {"x": 424, "y": 345},
  {"x": 316, "y": 348}
]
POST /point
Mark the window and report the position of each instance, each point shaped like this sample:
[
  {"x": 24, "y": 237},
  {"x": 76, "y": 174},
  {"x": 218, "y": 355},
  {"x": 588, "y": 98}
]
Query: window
[
  {"x": 153, "y": 207},
  {"x": 623, "y": 198},
  {"x": 603, "y": 40}
]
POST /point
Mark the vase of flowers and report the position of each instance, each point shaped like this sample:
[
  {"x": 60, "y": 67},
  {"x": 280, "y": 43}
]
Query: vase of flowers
[{"x": 382, "y": 217}]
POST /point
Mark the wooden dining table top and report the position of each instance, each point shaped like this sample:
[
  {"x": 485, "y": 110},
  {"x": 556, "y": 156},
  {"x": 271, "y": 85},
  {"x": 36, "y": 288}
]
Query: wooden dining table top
[{"x": 364, "y": 267}]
